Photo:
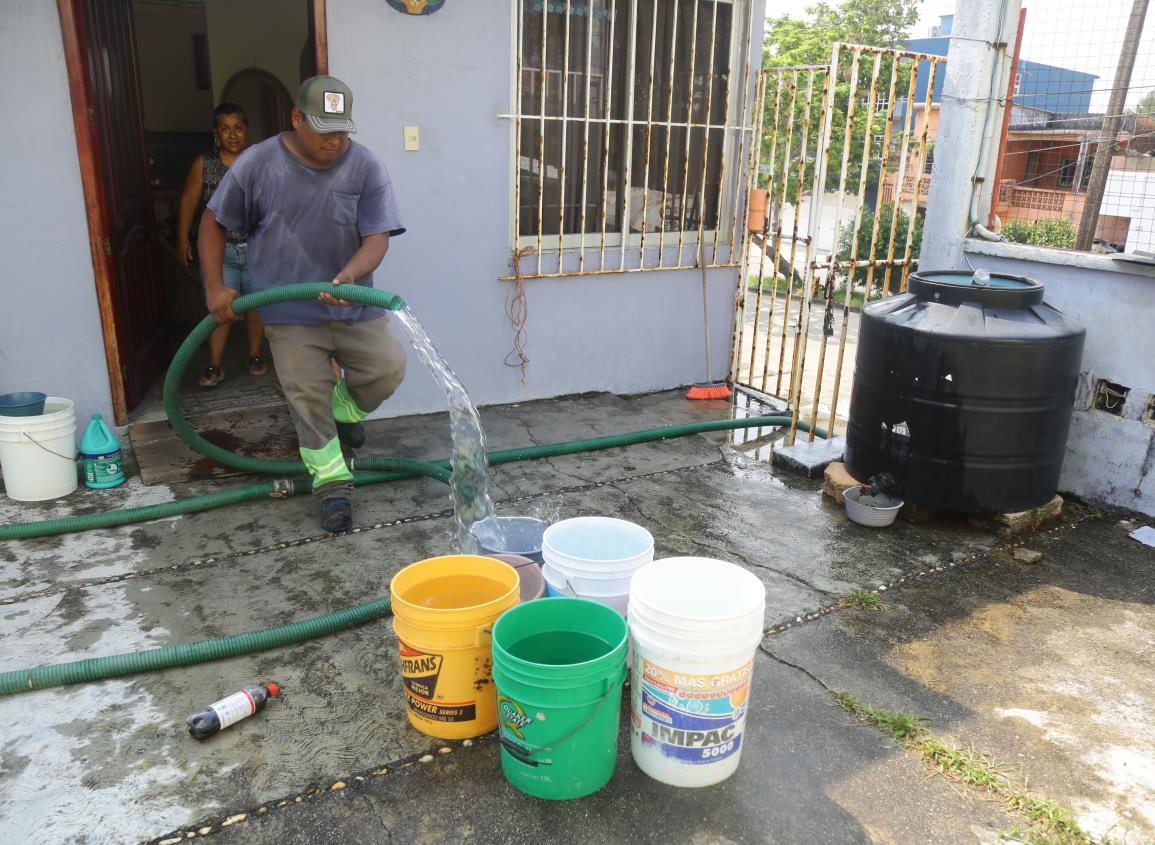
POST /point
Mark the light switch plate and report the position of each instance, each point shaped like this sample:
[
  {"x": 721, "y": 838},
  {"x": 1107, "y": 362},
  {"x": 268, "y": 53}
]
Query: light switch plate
[{"x": 412, "y": 138}]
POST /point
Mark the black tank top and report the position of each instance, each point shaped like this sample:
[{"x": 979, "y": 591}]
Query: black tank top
[{"x": 212, "y": 172}]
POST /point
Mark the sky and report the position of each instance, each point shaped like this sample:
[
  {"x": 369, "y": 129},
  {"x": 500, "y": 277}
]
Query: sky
[{"x": 1077, "y": 34}]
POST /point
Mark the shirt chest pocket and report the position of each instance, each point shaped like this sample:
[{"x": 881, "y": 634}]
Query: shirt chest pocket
[{"x": 343, "y": 208}]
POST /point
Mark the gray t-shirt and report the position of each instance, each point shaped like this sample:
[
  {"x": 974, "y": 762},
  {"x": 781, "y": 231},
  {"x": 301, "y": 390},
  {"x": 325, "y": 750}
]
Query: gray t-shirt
[{"x": 304, "y": 223}]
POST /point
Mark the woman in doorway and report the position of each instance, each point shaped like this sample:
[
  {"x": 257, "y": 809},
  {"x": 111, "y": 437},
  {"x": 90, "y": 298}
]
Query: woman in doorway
[{"x": 230, "y": 128}]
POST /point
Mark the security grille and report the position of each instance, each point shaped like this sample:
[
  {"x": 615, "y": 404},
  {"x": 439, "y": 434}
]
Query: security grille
[{"x": 630, "y": 130}]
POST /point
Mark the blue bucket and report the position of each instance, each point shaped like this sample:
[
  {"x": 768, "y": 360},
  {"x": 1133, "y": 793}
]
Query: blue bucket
[{"x": 23, "y": 404}]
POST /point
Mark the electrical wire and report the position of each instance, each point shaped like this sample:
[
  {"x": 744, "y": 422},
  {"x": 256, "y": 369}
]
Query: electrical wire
[{"x": 517, "y": 310}]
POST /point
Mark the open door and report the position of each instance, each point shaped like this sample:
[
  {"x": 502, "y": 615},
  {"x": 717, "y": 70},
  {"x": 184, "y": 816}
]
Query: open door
[
  {"x": 101, "y": 55},
  {"x": 104, "y": 80}
]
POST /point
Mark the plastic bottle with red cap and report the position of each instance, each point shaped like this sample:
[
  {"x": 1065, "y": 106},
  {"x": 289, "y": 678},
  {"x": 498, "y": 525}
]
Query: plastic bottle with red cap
[{"x": 230, "y": 710}]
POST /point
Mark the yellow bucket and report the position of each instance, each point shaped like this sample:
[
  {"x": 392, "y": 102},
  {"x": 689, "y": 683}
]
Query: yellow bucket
[{"x": 443, "y": 612}]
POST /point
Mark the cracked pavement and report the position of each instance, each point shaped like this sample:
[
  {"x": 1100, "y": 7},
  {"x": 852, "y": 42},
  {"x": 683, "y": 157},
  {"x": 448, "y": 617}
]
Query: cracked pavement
[{"x": 983, "y": 648}]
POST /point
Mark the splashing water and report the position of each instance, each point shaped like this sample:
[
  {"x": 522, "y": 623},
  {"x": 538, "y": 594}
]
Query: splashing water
[{"x": 469, "y": 486}]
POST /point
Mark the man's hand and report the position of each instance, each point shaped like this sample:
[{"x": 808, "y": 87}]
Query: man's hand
[
  {"x": 220, "y": 303},
  {"x": 343, "y": 278},
  {"x": 184, "y": 253},
  {"x": 363, "y": 262}
]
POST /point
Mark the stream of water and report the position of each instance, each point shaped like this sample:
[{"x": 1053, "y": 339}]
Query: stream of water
[{"x": 469, "y": 487}]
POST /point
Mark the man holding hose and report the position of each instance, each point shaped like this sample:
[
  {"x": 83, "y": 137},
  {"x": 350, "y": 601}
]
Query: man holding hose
[{"x": 316, "y": 206}]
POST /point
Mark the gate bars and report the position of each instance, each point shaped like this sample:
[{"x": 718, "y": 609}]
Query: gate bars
[{"x": 879, "y": 142}]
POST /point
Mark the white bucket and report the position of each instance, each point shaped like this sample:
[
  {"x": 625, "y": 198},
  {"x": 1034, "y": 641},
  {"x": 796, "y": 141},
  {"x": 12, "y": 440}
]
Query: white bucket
[
  {"x": 556, "y": 584},
  {"x": 595, "y": 557},
  {"x": 38, "y": 454},
  {"x": 695, "y": 624}
]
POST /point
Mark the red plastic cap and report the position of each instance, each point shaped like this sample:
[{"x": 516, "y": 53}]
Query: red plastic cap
[{"x": 273, "y": 688}]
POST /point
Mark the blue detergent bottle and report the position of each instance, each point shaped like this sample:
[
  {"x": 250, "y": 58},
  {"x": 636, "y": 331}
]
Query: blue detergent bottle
[{"x": 100, "y": 452}]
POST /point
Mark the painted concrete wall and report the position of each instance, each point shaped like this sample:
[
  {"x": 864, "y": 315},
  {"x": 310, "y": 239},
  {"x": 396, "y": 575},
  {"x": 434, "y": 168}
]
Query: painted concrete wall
[
  {"x": 1109, "y": 459},
  {"x": 164, "y": 38},
  {"x": 1130, "y": 194},
  {"x": 50, "y": 336},
  {"x": 268, "y": 34},
  {"x": 450, "y": 75}
]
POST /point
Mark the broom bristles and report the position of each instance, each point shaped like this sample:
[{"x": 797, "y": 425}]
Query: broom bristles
[{"x": 709, "y": 390}]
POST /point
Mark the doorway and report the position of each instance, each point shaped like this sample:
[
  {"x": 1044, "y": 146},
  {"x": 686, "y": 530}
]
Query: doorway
[{"x": 145, "y": 76}]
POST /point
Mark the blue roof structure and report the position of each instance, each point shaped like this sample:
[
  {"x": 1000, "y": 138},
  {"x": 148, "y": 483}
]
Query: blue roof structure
[{"x": 1046, "y": 87}]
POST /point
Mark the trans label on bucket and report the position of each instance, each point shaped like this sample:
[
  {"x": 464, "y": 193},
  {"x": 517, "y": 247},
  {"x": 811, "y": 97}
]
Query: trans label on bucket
[
  {"x": 695, "y": 719},
  {"x": 419, "y": 675}
]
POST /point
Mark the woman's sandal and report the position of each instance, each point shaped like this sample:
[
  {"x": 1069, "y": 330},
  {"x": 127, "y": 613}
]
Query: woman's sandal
[
  {"x": 257, "y": 366},
  {"x": 211, "y": 377}
]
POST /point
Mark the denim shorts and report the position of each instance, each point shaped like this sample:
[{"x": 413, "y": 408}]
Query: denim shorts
[{"x": 236, "y": 268}]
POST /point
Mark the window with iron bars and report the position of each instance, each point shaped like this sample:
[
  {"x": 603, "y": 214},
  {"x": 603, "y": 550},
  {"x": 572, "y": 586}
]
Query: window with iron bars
[{"x": 621, "y": 128}]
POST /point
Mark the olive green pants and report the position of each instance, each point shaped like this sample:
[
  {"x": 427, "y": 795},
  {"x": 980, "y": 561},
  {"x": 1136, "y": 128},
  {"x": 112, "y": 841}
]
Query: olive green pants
[{"x": 374, "y": 364}]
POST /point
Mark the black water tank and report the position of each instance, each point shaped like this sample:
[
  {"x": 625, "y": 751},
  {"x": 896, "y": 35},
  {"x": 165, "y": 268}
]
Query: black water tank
[{"x": 963, "y": 390}]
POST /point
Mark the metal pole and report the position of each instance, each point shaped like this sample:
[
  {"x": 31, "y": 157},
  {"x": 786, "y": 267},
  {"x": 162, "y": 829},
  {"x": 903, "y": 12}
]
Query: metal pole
[
  {"x": 1106, "y": 148},
  {"x": 817, "y": 190},
  {"x": 586, "y": 141},
  {"x": 609, "y": 96},
  {"x": 999, "y": 160}
]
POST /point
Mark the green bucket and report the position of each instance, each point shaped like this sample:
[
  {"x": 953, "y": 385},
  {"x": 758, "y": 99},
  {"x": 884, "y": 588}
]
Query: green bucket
[{"x": 559, "y": 665}]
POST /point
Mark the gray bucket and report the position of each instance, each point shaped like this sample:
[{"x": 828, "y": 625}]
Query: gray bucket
[
  {"x": 528, "y": 574},
  {"x": 522, "y": 536}
]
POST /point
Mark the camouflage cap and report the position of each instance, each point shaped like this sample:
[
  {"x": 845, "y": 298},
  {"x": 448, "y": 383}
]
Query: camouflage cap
[{"x": 327, "y": 104}]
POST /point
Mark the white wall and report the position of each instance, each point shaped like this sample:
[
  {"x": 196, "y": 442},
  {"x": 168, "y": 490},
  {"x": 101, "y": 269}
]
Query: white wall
[
  {"x": 1131, "y": 193},
  {"x": 50, "y": 336},
  {"x": 268, "y": 34},
  {"x": 1109, "y": 460},
  {"x": 164, "y": 38},
  {"x": 450, "y": 75}
]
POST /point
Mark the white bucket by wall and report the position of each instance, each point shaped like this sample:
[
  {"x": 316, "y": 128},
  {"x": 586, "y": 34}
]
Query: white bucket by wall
[
  {"x": 38, "y": 454},
  {"x": 595, "y": 557},
  {"x": 695, "y": 624}
]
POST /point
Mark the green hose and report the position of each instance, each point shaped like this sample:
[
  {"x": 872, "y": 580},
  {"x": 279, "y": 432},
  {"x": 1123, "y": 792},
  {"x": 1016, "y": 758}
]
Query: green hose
[
  {"x": 99, "y": 668},
  {"x": 406, "y": 469},
  {"x": 380, "y": 470},
  {"x": 199, "y": 334}
]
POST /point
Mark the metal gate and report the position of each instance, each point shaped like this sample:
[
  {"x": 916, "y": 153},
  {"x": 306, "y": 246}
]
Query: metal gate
[{"x": 832, "y": 237}]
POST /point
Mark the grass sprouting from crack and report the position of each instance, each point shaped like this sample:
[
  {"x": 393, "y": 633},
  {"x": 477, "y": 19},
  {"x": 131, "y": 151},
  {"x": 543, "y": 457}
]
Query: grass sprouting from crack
[
  {"x": 1049, "y": 823},
  {"x": 863, "y": 600}
]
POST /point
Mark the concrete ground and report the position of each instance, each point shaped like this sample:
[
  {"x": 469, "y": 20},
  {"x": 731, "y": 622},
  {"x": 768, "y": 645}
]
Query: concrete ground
[{"x": 1046, "y": 669}]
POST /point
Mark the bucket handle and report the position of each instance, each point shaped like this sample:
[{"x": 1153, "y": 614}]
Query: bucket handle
[
  {"x": 523, "y": 753},
  {"x": 573, "y": 593},
  {"x": 46, "y": 449}
]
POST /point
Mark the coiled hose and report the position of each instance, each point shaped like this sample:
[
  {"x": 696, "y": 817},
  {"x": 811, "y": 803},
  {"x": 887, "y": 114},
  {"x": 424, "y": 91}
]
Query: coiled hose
[{"x": 373, "y": 470}]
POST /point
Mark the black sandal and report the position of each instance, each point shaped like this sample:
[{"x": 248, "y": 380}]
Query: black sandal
[
  {"x": 211, "y": 377},
  {"x": 257, "y": 366}
]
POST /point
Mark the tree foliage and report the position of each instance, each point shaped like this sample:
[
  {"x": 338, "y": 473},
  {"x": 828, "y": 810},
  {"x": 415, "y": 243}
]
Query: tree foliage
[
  {"x": 876, "y": 23},
  {"x": 792, "y": 42},
  {"x": 865, "y": 231},
  {"x": 1145, "y": 105}
]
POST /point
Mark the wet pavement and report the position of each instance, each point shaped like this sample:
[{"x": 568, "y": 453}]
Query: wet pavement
[{"x": 1048, "y": 667}]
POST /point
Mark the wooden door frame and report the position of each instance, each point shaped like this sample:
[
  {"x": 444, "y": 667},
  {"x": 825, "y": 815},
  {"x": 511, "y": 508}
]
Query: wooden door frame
[{"x": 96, "y": 202}]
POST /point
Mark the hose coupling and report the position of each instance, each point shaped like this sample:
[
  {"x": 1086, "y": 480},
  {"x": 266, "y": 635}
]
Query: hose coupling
[{"x": 282, "y": 488}]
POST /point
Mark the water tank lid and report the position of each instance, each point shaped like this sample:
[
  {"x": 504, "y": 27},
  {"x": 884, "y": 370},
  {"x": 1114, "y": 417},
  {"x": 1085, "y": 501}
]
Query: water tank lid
[{"x": 954, "y": 286}]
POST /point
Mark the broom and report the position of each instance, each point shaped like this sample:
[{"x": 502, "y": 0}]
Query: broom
[{"x": 708, "y": 389}]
